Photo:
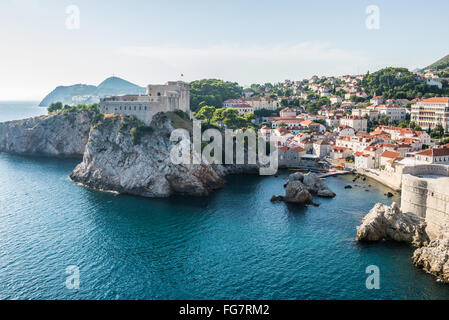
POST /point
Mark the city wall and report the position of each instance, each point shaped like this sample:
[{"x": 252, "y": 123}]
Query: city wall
[{"x": 425, "y": 192}]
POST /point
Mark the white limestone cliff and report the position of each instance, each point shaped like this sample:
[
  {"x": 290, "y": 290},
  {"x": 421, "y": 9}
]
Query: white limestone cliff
[
  {"x": 114, "y": 162},
  {"x": 388, "y": 222},
  {"x": 56, "y": 135}
]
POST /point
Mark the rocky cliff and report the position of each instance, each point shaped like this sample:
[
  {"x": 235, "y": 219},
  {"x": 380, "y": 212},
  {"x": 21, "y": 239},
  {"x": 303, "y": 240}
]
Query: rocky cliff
[
  {"x": 118, "y": 158},
  {"x": 388, "y": 222},
  {"x": 434, "y": 259},
  {"x": 56, "y": 135}
]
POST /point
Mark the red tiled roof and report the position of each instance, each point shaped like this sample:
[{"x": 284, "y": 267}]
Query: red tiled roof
[
  {"x": 435, "y": 100},
  {"x": 436, "y": 152},
  {"x": 299, "y": 149},
  {"x": 390, "y": 154}
]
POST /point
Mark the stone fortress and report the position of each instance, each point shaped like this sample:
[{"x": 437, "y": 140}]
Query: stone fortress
[
  {"x": 172, "y": 96},
  {"x": 425, "y": 192}
]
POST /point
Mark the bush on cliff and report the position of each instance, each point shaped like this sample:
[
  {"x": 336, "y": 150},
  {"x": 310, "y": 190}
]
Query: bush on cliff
[
  {"x": 138, "y": 132},
  {"x": 58, "y": 107},
  {"x": 97, "y": 118}
]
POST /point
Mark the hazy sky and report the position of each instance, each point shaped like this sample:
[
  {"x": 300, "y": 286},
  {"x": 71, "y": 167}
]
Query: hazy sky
[{"x": 243, "y": 40}]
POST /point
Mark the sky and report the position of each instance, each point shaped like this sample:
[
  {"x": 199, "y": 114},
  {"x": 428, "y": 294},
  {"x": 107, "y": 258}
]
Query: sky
[{"x": 47, "y": 43}]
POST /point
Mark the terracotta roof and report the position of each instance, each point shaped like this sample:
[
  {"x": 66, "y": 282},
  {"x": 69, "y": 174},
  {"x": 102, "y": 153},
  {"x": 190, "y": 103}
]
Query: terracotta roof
[
  {"x": 436, "y": 100},
  {"x": 390, "y": 154},
  {"x": 299, "y": 149},
  {"x": 436, "y": 152}
]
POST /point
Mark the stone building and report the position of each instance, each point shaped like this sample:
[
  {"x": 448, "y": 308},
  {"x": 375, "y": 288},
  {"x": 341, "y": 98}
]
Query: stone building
[{"x": 172, "y": 96}]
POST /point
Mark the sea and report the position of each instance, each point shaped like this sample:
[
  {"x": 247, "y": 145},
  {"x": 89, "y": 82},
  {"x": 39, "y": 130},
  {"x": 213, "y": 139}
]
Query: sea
[{"x": 59, "y": 240}]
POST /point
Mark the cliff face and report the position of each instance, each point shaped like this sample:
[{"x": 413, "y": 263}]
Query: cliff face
[
  {"x": 116, "y": 160},
  {"x": 384, "y": 222},
  {"x": 434, "y": 259},
  {"x": 56, "y": 135}
]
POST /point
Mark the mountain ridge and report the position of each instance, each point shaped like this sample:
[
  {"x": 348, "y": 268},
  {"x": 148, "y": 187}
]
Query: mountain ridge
[
  {"x": 440, "y": 64},
  {"x": 85, "y": 93}
]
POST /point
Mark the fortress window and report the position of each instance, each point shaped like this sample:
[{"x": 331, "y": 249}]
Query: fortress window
[
  {"x": 140, "y": 108},
  {"x": 135, "y": 108},
  {"x": 145, "y": 108}
]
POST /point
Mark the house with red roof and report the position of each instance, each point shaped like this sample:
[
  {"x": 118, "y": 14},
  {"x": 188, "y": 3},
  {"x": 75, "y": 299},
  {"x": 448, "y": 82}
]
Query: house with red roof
[
  {"x": 364, "y": 161},
  {"x": 290, "y": 157},
  {"x": 388, "y": 156},
  {"x": 439, "y": 155}
]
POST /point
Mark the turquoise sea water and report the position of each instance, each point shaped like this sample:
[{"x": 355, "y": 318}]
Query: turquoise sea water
[
  {"x": 232, "y": 245},
  {"x": 16, "y": 110}
]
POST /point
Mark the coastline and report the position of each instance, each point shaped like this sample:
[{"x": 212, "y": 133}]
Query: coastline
[{"x": 381, "y": 179}]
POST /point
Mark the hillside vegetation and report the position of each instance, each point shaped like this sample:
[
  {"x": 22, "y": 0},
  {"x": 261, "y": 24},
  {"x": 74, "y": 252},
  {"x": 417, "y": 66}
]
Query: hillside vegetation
[
  {"x": 441, "y": 64},
  {"x": 399, "y": 83},
  {"x": 212, "y": 92}
]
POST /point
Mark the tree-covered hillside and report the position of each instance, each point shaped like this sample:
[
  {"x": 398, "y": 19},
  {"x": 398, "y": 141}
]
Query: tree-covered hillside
[
  {"x": 441, "y": 64},
  {"x": 399, "y": 83},
  {"x": 212, "y": 92}
]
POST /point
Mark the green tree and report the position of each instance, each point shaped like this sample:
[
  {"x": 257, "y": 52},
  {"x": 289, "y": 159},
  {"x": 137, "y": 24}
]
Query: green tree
[
  {"x": 219, "y": 116},
  {"x": 212, "y": 92},
  {"x": 383, "y": 120},
  {"x": 437, "y": 132},
  {"x": 231, "y": 118},
  {"x": 206, "y": 114},
  {"x": 56, "y": 106}
]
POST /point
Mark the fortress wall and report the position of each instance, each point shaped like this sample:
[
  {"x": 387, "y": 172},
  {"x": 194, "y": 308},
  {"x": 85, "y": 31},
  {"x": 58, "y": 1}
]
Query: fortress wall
[
  {"x": 427, "y": 197},
  {"x": 426, "y": 169}
]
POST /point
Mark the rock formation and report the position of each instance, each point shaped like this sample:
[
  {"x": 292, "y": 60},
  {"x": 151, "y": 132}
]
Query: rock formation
[
  {"x": 388, "y": 222},
  {"x": 434, "y": 259},
  {"x": 56, "y": 135},
  {"x": 300, "y": 188},
  {"x": 296, "y": 192},
  {"x": 316, "y": 186},
  {"x": 113, "y": 161}
]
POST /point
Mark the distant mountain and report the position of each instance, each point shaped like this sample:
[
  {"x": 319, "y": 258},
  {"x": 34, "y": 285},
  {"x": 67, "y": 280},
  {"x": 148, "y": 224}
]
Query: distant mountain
[
  {"x": 114, "y": 85},
  {"x": 441, "y": 64},
  {"x": 86, "y": 94}
]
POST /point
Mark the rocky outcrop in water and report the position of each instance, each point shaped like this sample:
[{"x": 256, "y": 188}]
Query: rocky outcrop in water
[
  {"x": 434, "y": 259},
  {"x": 388, "y": 222},
  {"x": 296, "y": 191},
  {"x": 315, "y": 185},
  {"x": 116, "y": 160},
  {"x": 300, "y": 188},
  {"x": 56, "y": 135}
]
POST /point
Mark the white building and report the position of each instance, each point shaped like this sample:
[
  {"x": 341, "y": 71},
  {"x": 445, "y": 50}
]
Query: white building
[
  {"x": 355, "y": 122},
  {"x": 431, "y": 112},
  {"x": 364, "y": 161},
  {"x": 392, "y": 112},
  {"x": 244, "y": 109},
  {"x": 335, "y": 100},
  {"x": 321, "y": 148},
  {"x": 434, "y": 82}
]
